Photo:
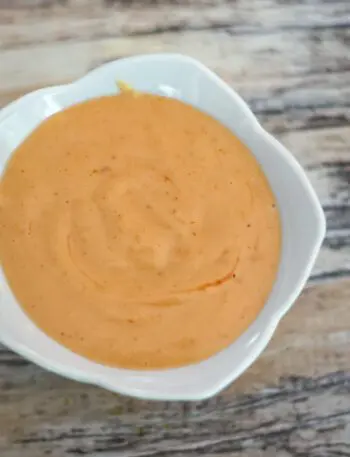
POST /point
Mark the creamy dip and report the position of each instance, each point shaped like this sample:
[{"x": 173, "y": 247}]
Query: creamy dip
[{"x": 138, "y": 231}]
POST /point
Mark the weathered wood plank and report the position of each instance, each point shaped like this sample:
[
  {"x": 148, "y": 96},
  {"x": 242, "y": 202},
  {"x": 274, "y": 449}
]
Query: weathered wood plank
[
  {"x": 285, "y": 54},
  {"x": 304, "y": 415},
  {"x": 300, "y": 95},
  {"x": 94, "y": 19},
  {"x": 311, "y": 91}
]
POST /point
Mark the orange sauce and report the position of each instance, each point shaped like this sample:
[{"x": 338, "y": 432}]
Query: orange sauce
[{"x": 138, "y": 231}]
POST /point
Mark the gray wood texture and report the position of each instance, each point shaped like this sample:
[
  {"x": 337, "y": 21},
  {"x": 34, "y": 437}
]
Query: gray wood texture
[{"x": 290, "y": 59}]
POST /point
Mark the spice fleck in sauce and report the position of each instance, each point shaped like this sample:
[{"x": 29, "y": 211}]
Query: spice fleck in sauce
[{"x": 138, "y": 231}]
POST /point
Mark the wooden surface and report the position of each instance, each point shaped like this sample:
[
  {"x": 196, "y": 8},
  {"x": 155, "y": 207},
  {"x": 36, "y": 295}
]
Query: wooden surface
[{"x": 290, "y": 59}]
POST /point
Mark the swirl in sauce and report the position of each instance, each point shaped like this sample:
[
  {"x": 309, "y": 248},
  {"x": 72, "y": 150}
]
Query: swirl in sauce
[{"x": 138, "y": 231}]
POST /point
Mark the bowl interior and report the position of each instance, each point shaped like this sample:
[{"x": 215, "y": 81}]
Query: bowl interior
[{"x": 302, "y": 224}]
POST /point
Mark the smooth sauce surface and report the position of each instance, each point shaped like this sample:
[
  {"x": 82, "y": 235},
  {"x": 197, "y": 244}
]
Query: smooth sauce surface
[{"x": 138, "y": 231}]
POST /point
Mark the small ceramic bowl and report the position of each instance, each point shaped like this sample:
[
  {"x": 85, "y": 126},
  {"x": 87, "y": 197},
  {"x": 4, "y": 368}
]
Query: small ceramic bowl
[{"x": 303, "y": 225}]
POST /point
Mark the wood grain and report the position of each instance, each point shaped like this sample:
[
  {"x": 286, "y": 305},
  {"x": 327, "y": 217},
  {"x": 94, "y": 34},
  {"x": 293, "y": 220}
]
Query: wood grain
[
  {"x": 91, "y": 19},
  {"x": 290, "y": 59}
]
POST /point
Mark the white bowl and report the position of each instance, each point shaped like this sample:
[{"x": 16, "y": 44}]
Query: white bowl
[{"x": 303, "y": 225}]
